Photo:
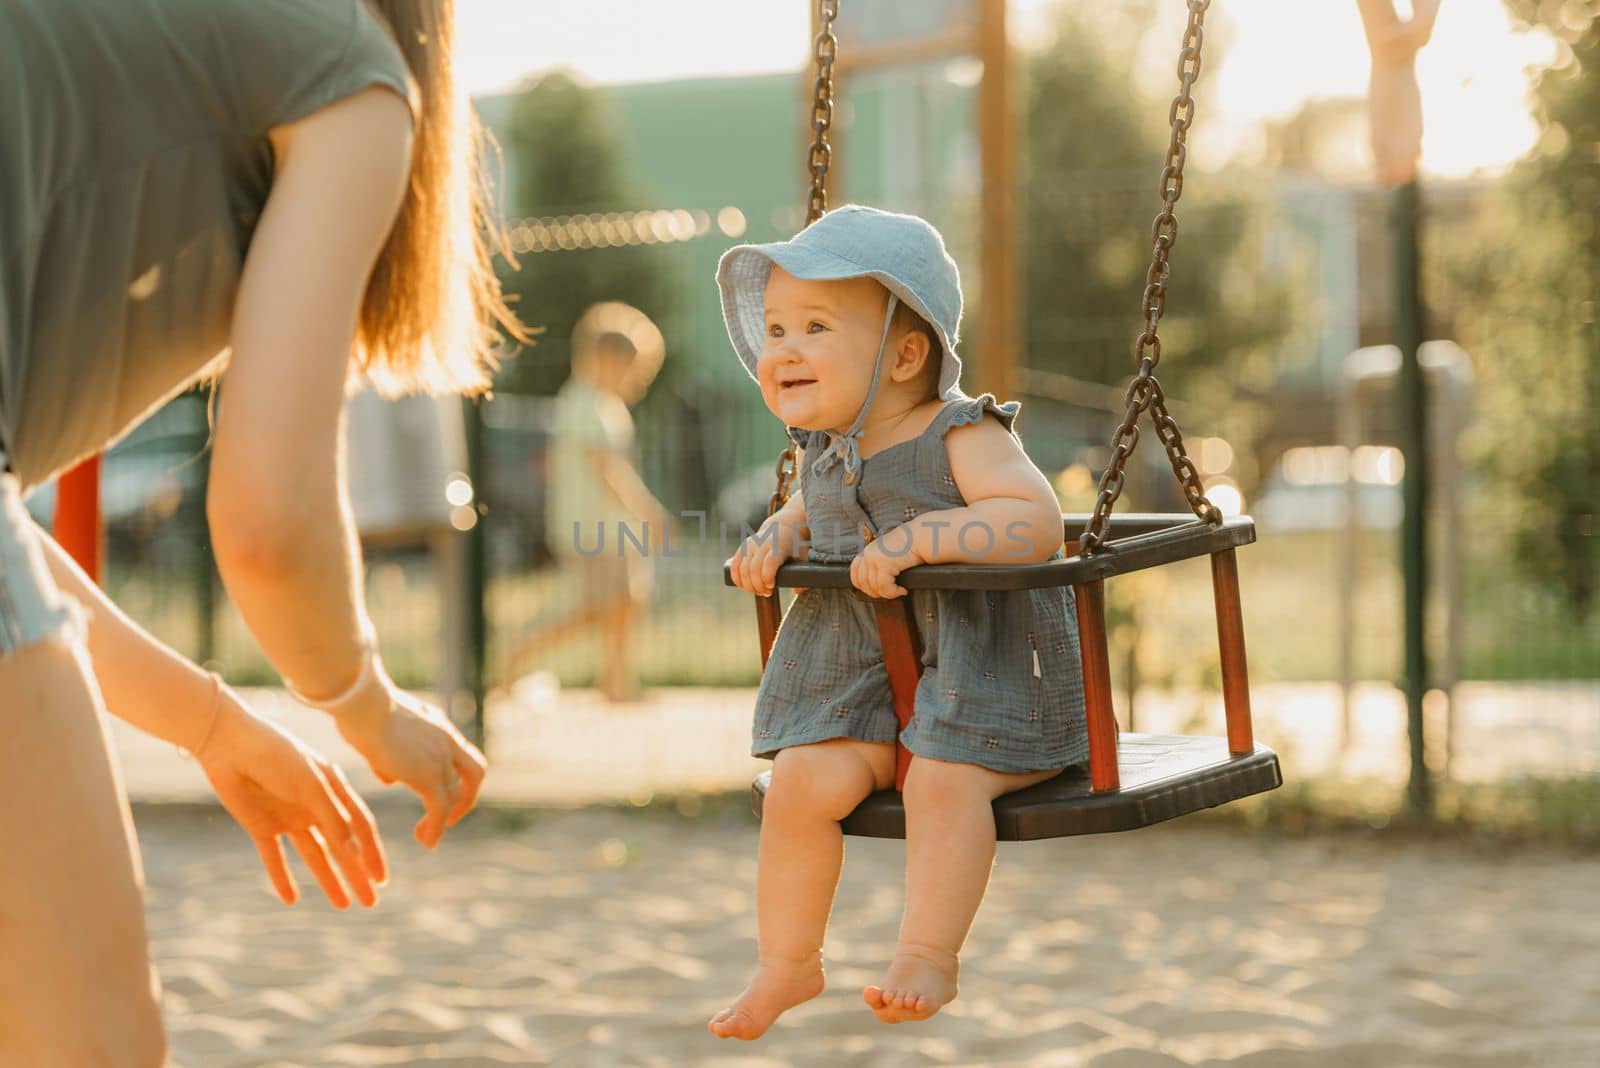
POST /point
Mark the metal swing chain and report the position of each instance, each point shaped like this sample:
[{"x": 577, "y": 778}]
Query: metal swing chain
[
  {"x": 1144, "y": 392},
  {"x": 820, "y": 157},
  {"x": 827, "y": 50}
]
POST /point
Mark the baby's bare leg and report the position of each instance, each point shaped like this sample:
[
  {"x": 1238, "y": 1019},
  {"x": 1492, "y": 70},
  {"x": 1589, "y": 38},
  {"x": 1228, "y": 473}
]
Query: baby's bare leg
[
  {"x": 802, "y": 848},
  {"x": 949, "y": 851}
]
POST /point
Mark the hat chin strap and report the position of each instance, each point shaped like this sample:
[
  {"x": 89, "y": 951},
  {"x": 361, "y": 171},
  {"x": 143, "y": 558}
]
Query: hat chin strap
[{"x": 846, "y": 448}]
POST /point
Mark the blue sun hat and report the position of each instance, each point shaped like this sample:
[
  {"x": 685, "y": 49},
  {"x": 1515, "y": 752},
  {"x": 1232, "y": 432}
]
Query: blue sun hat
[{"x": 902, "y": 252}]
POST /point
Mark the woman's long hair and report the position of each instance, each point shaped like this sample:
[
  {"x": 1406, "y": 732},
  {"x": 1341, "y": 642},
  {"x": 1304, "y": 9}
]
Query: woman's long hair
[{"x": 433, "y": 304}]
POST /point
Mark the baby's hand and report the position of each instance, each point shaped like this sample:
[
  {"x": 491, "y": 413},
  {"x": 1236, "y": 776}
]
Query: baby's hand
[
  {"x": 875, "y": 569},
  {"x": 754, "y": 566}
]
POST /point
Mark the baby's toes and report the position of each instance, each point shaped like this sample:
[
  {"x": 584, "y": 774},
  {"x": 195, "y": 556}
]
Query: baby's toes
[{"x": 729, "y": 1024}]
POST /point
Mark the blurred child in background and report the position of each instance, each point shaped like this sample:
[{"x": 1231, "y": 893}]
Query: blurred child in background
[{"x": 600, "y": 514}]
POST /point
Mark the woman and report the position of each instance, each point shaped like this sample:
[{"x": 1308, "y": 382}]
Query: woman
[{"x": 283, "y": 189}]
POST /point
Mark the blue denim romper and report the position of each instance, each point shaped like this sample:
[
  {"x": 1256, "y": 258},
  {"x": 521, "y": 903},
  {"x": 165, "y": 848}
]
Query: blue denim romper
[
  {"x": 32, "y": 608},
  {"x": 1002, "y": 683}
]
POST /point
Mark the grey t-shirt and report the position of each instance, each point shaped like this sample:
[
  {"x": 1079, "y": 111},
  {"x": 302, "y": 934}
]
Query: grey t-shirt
[{"x": 134, "y": 164}]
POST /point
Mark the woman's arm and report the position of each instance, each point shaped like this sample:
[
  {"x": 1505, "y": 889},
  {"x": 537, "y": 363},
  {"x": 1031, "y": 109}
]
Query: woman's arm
[
  {"x": 280, "y": 518},
  {"x": 143, "y": 681},
  {"x": 281, "y": 525},
  {"x": 269, "y": 782}
]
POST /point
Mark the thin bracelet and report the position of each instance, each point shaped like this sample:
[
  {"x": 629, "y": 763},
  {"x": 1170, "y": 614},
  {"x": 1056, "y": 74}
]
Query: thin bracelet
[
  {"x": 369, "y": 655},
  {"x": 216, "y": 713}
]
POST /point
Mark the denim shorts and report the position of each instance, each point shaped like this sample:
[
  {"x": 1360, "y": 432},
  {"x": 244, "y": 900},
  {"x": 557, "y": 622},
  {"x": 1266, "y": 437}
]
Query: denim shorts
[{"x": 31, "y": 607}]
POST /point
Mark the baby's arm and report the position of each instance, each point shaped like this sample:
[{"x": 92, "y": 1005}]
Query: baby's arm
[
  {"x": 1011, "y": 516},
  {"x": 1005, "y": 493},
  {"x": 784, "y": 535}
]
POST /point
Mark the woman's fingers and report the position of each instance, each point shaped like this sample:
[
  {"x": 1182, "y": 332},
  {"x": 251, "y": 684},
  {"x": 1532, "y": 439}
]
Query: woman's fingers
[
  {"x": 450, "y": 786},
  {"x": 271, "y": 849},
  {"x": 437, "y": 801},
  {"x": 471, "y": 768},
  {"x": 332, "y": 821},
  {"x": 356, "y": 876},
  {"x": 436, "y": 784},
  {"x": 312, "y": 849},
  {"x": 362, "y": 822}
]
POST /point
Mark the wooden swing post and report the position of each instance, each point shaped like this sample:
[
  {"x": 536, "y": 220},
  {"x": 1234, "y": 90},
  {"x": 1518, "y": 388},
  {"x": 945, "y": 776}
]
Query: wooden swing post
[
  {"x": 1102, "y": 719},
  {"x": 1230, "y": 644}
]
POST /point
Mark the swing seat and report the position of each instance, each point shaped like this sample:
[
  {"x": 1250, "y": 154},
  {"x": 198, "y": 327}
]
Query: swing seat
[
  {"x": 1133, "y": 780},
  {"x": 1163, "y": 776}
]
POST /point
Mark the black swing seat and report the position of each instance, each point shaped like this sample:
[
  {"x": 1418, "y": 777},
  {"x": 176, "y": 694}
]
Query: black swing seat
[
  {"x": 1163, "y": 776},
  {"x": 1160, "y": 776}
]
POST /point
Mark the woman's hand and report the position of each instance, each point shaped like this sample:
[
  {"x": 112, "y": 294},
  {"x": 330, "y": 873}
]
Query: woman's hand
[
  {"x": 754, "y": 565},
  {"x": 273, "y": 785},
  {"x": 408, "y": 741}
]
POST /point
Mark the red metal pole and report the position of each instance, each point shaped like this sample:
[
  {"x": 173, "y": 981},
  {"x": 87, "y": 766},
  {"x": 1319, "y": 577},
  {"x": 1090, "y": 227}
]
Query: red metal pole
[{"x": 77, "y": 519}]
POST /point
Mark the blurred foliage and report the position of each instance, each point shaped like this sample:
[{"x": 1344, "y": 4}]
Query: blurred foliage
[
  {"x": 564, "y": 142},
  {"x": 1521, "y": 287},
  {"x": 1095, "y": 149},
  {"x": 1322, "y": 136}
]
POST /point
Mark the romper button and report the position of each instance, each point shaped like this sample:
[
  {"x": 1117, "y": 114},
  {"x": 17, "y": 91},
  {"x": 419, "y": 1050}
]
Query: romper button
[{"x": 866, "y": 532}]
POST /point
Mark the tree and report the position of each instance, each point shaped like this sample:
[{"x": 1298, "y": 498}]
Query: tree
[
  {"x": 1525, "y": 289},
  {"x": 564, "y": 147},
  {"x": 1095, "y": 151}
]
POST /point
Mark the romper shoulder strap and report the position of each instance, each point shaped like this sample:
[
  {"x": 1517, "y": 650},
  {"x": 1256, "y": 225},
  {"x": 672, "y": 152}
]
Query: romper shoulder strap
[{"x": 963, "y": 411}]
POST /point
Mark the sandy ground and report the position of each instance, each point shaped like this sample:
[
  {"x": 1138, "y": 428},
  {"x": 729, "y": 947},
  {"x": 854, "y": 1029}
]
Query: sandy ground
[
  {"x": 607, "y": 936},
  {"x": 551, "y": 746}
]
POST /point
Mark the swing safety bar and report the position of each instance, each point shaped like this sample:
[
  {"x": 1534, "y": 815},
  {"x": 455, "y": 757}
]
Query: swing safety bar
[
  {"x": 1142, "y": 541},
  {"x": 1132, "y": 781}
]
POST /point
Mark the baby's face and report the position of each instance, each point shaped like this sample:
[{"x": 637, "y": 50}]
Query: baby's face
[{"x": 816, "y": 364}]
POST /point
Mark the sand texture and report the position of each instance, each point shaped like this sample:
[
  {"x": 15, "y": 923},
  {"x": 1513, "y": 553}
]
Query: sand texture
[{"x": 606, "y": 936}]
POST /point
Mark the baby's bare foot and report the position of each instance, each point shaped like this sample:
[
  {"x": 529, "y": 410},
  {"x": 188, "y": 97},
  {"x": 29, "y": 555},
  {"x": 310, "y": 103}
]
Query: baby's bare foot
[
  {"x": 920, "y": 981},
  {"x": 779, "y": 985}
]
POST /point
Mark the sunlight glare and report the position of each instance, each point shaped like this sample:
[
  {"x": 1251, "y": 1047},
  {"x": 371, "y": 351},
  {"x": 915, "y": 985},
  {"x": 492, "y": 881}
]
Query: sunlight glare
[{"x": 1474, "y": 74}]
